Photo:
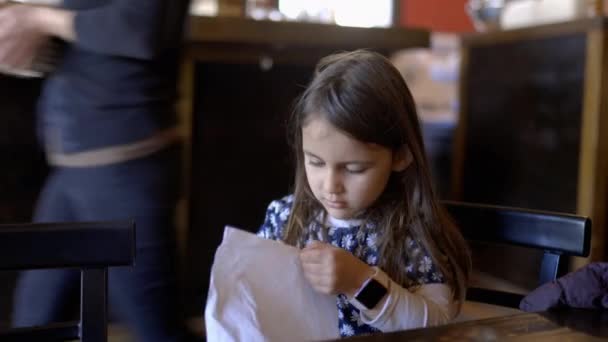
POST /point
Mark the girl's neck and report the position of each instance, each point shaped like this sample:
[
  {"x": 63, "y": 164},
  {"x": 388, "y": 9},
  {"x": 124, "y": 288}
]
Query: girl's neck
[{"x": 343, "y": 223}]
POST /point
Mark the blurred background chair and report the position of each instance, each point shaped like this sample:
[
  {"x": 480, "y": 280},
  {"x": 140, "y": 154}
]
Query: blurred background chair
[
  {"x": 90, "y": 246},
  {"x": 558, "y": 235}
]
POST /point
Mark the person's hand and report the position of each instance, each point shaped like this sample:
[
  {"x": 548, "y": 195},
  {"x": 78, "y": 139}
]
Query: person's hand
[
  {"x": 332, "y": 270},
  {"x": 21, "y": 35}
]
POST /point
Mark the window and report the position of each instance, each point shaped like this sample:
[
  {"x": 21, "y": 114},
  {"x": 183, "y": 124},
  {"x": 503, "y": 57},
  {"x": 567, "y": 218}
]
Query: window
[{"x": 359, "y": 13}]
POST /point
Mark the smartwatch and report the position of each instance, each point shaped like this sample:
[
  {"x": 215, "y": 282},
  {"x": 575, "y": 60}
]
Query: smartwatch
[{"x": 370, "y": 293}]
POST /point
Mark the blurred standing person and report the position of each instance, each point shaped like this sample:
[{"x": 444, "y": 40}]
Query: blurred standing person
[{"x": 107, "y": 121}]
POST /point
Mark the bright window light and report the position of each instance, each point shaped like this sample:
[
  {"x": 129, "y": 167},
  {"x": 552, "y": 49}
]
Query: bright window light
[{"x": 359, "y": 13}]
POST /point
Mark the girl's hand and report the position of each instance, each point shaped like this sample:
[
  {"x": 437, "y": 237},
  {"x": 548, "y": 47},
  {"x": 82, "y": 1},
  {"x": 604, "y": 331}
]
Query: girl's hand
[
  {"x": 333, "y": 270},
  {"x": 20, "y": 36}
]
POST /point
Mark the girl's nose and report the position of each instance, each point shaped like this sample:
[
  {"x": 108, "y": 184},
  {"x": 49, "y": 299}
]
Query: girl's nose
[{"x": 333, "y": 182}]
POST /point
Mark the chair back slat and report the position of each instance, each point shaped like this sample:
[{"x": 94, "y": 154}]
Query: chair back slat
[
  {"x": 555, "y": 232},
  {"x": 551, "y": 266},
  {"x": 64, "y": 245},
  {"x": 90, "y": 246},
  {"x": 94, "y": 311}
]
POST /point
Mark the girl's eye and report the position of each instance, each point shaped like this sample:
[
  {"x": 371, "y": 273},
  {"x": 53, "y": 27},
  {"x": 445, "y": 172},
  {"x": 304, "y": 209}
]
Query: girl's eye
[
  {"x": 356, "y": 169},
  {"x": 315, "y": 163}
]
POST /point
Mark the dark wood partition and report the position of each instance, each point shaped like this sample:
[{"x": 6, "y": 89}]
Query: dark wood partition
[{"x": 533, "y": 128}]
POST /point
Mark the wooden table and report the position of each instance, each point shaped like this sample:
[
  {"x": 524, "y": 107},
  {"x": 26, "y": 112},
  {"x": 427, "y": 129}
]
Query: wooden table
[{"x": 562, "y": 325}]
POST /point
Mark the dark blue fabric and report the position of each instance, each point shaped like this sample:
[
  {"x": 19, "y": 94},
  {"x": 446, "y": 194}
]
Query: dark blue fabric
[
  {"x": 143, "y": 296},
  {"x": 116, "y": 83},
  {"x": 585, "y": 288}
]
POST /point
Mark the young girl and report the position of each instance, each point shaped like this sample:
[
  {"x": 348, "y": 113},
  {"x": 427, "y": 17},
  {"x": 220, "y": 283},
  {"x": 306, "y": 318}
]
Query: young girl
[{"x": 363, "y": 209}]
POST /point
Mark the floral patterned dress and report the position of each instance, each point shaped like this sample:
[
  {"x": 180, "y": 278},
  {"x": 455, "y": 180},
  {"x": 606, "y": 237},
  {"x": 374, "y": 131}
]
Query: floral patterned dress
[{"x": 359, "y": 240}]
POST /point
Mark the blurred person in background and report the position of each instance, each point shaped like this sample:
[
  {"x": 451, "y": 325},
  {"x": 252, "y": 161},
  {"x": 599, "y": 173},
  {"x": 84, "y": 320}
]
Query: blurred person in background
[{"x": 106, "y": 119}]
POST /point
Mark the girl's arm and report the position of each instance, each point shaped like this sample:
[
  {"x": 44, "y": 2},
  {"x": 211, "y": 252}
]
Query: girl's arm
[
  {"x": 333, "y": 270},
  {"x": 426, "y": 305}
]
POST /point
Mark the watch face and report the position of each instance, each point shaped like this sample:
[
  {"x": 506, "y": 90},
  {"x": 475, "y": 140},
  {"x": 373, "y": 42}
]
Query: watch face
[{"x": 371, "y": 293}]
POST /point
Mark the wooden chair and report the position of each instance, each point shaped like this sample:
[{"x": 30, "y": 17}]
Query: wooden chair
[
  {"x": 92, "y": 247},
  {"x": 558, "y": 235}
]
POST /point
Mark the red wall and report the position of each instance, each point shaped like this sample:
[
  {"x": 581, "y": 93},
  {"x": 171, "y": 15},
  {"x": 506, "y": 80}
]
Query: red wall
[{"x": 437, "y": 15}]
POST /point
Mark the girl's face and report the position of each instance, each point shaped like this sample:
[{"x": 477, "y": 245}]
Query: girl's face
[{"x": 345, "y": 175}]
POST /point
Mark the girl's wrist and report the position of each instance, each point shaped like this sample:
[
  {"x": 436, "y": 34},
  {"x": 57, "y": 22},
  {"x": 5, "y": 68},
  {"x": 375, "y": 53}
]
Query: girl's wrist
[{"x": 366, "y": 273}]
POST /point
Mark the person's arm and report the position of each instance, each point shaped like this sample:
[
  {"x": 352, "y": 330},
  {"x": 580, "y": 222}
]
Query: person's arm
[
  {"x": 54, "y": 22},
  {"x": 25, "y": 29},
  {"x": 139, "y": 29},
  {"x": 426, "y": 305}
]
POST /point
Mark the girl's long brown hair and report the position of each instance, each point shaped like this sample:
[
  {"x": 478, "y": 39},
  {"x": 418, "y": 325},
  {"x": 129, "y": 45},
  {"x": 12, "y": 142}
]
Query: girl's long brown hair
[{"x": 362, "y": 94}]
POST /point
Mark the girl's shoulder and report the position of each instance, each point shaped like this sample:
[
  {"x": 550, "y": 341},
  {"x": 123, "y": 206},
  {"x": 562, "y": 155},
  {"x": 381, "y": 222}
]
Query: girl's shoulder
[
  {"x": 281, "y": 204},
  {"x": 280, "y": 208},
  {"x": 277, "y": 215}
]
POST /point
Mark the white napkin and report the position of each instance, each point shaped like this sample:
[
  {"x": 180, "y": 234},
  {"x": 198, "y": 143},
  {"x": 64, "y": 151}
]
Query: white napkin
[{"x": 258, "y": 293}]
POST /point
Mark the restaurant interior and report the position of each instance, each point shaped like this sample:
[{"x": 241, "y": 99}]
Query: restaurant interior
[{"x": 510, "y": 96}]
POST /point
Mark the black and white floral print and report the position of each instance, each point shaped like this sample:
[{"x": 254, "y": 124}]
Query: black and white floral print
[{"x": 361, "y": 242}]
